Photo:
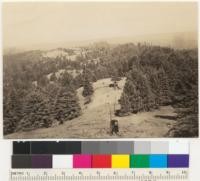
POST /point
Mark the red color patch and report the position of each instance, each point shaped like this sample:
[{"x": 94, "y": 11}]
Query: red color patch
[{"x": 101, "y": 161}]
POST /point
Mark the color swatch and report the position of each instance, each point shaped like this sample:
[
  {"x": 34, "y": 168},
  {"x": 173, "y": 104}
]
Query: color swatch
[
  {"x": 82, "y": 161},
  {"x": 139, "y": 161},
  {"x": 158, "y": 161},
  {"x": 101, "y": 161},
  {"x": 178, "y": 161},
  {"x": 62, "y": 161},
  {"x": 41, "y": 161},
  {"x": 120, "y": 161}
]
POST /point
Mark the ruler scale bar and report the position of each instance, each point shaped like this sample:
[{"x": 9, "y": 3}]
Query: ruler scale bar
[{"x": 98, "y": 174}]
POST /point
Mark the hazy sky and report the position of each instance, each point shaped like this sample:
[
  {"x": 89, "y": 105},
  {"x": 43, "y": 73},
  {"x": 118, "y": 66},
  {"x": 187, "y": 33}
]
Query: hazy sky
[{"x": 26, "y": 24}]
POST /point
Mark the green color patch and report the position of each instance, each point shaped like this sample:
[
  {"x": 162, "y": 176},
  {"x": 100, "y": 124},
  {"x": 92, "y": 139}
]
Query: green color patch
[{"x": 139, "y": 161}]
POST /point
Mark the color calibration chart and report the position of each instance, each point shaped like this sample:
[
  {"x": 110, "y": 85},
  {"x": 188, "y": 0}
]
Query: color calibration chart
[{"x": 100, "y": 160}]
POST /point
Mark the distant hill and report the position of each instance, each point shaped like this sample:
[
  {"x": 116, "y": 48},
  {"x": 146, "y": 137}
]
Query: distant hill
[
  {"x": 184, "y": 40},
  {"x": 179, "y": 40}
]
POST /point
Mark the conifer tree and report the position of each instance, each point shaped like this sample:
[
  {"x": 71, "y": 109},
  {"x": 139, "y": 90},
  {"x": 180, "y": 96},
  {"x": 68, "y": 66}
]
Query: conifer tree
[
  {"x": 164, "y": 88},
  {"x": 67, "y": 105},
  {"x": 87, "y": 88},
  {"x": 11, "y": 112},
  {"x": 35, "y": 112},
  {"x": 87, "y": 85},
  {"x": 138, "y": 92},
  {"x": 53, "y": 77},
  {"x": 125, "y": 104},
  {"x": 66, "y": 80},
  {"x": 43, "y": 81},
  {"x": 10, "y": 122}
]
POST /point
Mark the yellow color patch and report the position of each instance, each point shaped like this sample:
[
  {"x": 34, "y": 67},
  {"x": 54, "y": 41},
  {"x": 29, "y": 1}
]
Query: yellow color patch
[{"x": 120, "y": 161}]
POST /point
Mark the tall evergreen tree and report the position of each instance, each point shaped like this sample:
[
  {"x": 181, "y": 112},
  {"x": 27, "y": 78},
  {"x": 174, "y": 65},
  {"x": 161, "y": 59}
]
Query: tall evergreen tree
[
  {"x": 67, "y": 105},
  {"x": 53, "y": 77},
  {"x": 164, "y": 88},
  {"x": 125, "y": 104},
  {"x": 138, "y": 91},
  {"x": 66, "y": 80},
  {"x": 87, "y": 88},
  {"x": 87, "y": 85},
  {"x": 35, "y": 112},
  {"x": 12, "y": 112}
]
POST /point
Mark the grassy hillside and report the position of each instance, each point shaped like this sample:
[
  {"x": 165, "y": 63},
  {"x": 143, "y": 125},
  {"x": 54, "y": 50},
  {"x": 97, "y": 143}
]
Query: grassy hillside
[{"x": 94, "y": 121}]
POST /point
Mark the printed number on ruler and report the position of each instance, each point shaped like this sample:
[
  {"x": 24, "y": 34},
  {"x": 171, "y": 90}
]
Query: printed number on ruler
[{"x": 99, "y": 174}]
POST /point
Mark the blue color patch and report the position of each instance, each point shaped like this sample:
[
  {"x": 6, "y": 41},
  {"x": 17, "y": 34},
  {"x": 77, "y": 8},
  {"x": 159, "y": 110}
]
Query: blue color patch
[{"x": 158, "y": 161}]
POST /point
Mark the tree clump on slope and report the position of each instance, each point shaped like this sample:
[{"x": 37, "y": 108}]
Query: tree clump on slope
[
  {"x": 87, "y": 88},
  {"x": 53, "y": 77},
  {"x": 87, "y": 85},
  {"x": 136, "y": 95},
  {"x": 67, "y": 105},
  {"x": 12, "y": 112},
  {"x": 35, "y": 112},
  {"x": 165, "y": 77}
]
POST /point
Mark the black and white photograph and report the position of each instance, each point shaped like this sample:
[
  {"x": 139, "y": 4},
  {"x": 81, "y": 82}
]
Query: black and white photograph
[{"x": 100, "y": 70}]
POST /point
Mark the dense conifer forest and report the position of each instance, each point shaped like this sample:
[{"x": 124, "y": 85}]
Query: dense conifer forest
[{"x": 41, "y": 91}]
